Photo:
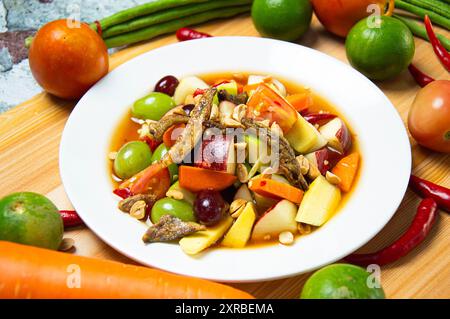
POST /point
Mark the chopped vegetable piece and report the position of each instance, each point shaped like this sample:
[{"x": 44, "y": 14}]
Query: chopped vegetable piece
[
  {"x": 315, "y": 118},
  {"x": 196, "y": 243},
  {"x": 304, "y": 137},
  {"x": 196, "y": 179},
  {"x": 346, "y": 170},
  {"x": 267, "y": 104},
  {"x": 319, "y": 203},
  {"x": 170, "y": 136},
  {"x": 29, "y": 272},
  {"x": 274, "y": 189},
  {"x": 300, "y": 101},
  {"x": 417, "y": 232}
]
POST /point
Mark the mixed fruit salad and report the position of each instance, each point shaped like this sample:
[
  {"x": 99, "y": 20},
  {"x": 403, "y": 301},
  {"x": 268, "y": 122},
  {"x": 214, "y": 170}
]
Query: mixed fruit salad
[{"x": 232, "y": 160}]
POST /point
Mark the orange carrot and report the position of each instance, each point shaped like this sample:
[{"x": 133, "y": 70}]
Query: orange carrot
[
  {"x": 196, "y": 179},
  {"x": 269, "y": 188},
  {"x": 300, "y": 101},
  {"x": 169, "y": 138},
  {"x": 29, "y": 272},
  {"x": 346, "y": 170}
]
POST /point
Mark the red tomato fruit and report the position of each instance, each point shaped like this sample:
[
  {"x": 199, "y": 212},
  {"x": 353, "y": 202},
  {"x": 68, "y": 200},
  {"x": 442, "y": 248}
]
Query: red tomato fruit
[
  {"x": 66, "y": 61},
  {"x": 339, "y": 16},
  {"x": 429, "y": 116}
]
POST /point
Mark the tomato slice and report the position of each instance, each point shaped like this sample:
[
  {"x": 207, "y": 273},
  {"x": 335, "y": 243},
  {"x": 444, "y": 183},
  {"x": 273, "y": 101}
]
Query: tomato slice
[
  {"x": 155, "y": 179},
  {"x": 267, "y": 104}
]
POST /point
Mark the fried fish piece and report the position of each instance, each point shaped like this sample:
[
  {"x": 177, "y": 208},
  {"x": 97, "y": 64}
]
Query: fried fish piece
[{"x": 170, "y": 228}]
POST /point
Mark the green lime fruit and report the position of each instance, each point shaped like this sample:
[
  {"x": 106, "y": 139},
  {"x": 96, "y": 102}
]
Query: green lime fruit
[
  {"x": 152, "y": 106},
  {"x": 282, "y": 19},
  {"x": 341, "y": 281},
  {"x": 132, "y": 158},
  {"x": 380, "y": 51},
  {"x": 30, "y": 219}
]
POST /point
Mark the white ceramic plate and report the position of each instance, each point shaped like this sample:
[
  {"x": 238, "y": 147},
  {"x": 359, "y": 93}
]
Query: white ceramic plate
[{"x": 383, "y": 141}]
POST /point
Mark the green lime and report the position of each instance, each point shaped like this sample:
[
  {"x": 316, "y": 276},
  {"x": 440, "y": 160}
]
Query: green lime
[
  {"x": 282, "y": 19},
  {"x": 30, "y": 219},
  {"x": 169, "y": 206},
  {"x": 132, "y": 158},
  {"x": 152, "y": 106},
  {"x": 341, "y": 281},
  {"x": 380, "y": 51}
]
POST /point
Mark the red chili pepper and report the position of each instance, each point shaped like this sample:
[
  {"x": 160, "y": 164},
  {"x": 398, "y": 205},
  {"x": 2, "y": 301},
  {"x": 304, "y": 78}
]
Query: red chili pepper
[
  {"x": 122, "y": 192},
  {"x": 314, "y": 118},
  {"x": 198, "y": 92},
  {"x": 70, "y": 218},
  {"x": 419, "y": 229},
  {"x": 425, "y": 188},
  {"x": 99, "y": 28},
  {"x": 151, "y": 143},
  {"x": 421, "y": 78},
  {"x": 438, "y": 48},
  {"x": 185, "y": 34}
]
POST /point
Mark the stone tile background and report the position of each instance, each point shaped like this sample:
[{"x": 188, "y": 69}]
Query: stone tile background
[{"x": 19, "y": 19}]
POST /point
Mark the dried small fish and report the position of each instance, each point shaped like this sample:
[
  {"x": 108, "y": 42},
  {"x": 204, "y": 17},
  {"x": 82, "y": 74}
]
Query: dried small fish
[
  {"x": 170, "y": 228},
  {"x": 156, "y": 129},
  {"x": 126, "y": 204},
  {"x": 236, "y": 99}
]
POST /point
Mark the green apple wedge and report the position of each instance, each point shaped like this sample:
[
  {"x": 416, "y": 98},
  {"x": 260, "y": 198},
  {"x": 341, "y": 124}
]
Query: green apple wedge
[
  {"x": 239, "y": 233},
  {"x": 304, "y": 137},
  {"x": 176, "y": 191},
  {"x": 199, "y": 241},
  {"x": 319, "y": 202}
]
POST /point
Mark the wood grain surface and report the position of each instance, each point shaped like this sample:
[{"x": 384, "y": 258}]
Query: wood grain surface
[{"x": 29, "y": 144}]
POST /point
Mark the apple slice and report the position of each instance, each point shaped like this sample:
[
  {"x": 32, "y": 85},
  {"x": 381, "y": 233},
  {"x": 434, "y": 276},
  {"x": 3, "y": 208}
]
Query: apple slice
[
  {"x": 276, "y": 220},
  {"x": 240, "y": 232},
  {"x": 187, "y": 86},
  {"x": 337, "y": 135},
  {"x": 304, "y": 137},
  {"x": 319, "y": 203},
  {"x": 217, "y": 153},
  {"x": 318, "y": 161},
  {"x": 199, "y": 241}
]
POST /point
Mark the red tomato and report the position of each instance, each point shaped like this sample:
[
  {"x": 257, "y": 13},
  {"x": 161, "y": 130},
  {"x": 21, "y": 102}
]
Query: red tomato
[
  {"x": 66, "y": 61},
  {"x": 266, "y": 104},
  {"x": 429, "y": 116},
  {"x": 339, "y": 16}
]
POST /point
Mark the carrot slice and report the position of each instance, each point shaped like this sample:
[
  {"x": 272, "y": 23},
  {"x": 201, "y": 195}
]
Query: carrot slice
[
  {"x": 29, "y": 272},
  {"x": 346, "y": 170},
  {"x": 300, "y": 101},
  {"x": 269, "y": 188},
  {"x": 170, "y": 136},
  {"x": 196, "y": 179}
]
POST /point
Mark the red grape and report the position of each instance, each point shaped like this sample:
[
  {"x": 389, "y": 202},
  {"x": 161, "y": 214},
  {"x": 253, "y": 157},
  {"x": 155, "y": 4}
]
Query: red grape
[
  {"x": 209, "y": 207},
  {"x": 167, "y": 85}
]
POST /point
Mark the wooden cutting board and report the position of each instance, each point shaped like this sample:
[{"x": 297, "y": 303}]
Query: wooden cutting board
[{"x": 29, "y": 143}]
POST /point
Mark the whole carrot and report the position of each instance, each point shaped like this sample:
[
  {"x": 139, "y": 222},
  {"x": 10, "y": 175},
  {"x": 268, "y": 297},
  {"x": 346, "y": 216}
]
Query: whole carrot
[{"x": 29, "y": 272}]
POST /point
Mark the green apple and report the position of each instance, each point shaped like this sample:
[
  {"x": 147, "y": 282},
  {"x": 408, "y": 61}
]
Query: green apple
[
  {"x": 239, "y": 233},
  {"x": 304, "y": 137},
  {"x": 319, "y": 203}
]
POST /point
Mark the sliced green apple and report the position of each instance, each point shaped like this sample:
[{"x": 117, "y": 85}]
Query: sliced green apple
[
  {"x": 175, "y": 190},
  {"x": 239, "y": 233},
  {"x": 319, "y": 202},
  {"x": 304, "y": 137},
  {"x": 199, "y": 241},
  {"x": 187, "y": 86}
]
